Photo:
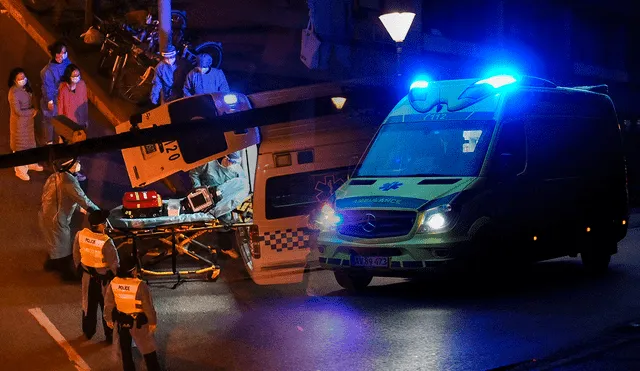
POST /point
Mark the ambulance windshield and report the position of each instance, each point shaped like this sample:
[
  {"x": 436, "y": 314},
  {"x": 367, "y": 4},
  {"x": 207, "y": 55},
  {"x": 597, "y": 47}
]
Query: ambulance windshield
[{"x": 428, "y": 148}]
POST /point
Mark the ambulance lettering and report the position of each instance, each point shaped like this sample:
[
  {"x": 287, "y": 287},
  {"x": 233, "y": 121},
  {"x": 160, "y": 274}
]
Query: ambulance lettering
[{"x": 435, "y": 116}]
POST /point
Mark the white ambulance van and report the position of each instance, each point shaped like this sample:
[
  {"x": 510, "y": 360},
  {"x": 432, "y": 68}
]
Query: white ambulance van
[{"x": 480, "y": 170}]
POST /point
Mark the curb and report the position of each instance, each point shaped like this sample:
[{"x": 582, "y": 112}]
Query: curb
[{"x": 44, "y": 38}]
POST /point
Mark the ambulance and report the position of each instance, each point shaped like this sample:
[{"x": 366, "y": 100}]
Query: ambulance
[
  {"x": 293, "y": 166},
  {"x": 469, "y": 172}
]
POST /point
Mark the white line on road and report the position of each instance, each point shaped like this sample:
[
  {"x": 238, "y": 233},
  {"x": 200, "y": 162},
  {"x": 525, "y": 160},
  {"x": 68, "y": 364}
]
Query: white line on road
[{"x": 44, "y": 321}]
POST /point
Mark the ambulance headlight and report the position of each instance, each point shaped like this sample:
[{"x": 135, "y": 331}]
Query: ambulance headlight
[
  {"x": 327, "y": 219},
  {"x": 437, "y": 220}
]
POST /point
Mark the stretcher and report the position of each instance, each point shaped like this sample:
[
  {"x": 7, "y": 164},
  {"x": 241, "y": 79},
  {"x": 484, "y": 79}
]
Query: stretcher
[{"x": 178, "y": 234}]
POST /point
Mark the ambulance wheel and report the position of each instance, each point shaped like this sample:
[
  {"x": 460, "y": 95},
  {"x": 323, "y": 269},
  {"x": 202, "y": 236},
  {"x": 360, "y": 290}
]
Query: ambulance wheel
[
  {"x": 595, "y": 261},
  {"x": 353, "y": 281}
]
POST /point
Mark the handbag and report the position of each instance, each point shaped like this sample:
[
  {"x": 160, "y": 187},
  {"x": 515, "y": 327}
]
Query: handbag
[{"x": 310, "y": 47}]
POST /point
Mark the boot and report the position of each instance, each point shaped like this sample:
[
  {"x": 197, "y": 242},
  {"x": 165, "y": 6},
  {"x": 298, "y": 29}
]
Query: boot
[
  {"x": 151, "y": 360},
  {"x": 68, "y": 270},
  {"x": 35, "y": 167},
  {"x": 21, "y": 172}
]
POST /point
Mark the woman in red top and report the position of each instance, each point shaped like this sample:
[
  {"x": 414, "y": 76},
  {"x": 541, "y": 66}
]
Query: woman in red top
[
  {"x": 73, "y": 101},
  {"x": 72, "y": 96}
]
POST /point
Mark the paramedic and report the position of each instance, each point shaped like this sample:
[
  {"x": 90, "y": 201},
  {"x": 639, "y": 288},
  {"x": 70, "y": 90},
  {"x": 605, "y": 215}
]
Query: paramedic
[
  {"x": 227, "y": 176},
  {"x": 61, "y": 197},
  {"x": 129, "y": 307},
  {"x": 95, "y": 253},
  {"x": 204, "y": 79},
  {"x": 166, "y": 88}
]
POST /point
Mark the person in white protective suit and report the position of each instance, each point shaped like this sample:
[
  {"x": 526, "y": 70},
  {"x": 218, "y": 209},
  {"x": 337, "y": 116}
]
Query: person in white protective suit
[
  {"x": 228, "y": 178},
  {"x": 61, "y": 197},
  {"x": 204, "y": 79}
]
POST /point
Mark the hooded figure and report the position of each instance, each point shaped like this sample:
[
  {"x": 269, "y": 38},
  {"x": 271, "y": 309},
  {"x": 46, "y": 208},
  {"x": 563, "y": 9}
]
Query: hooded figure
[
  {"x": 163, "y": 89},
  {"x": 203, "y": 79},
  {"x": 228, "y": 177},
  {"x": 61, "y": 197},
  {"x": 51, "y": 75}
]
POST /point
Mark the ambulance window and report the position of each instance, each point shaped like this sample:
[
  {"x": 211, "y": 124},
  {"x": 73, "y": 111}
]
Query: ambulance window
[
  {"x": 299, "y": 194},
  {"x": 512, "y": 140}
]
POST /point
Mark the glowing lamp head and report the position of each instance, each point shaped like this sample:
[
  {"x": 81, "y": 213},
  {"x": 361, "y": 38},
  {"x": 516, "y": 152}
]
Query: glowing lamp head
[
  {"x": 338, "y": 102},
  {"x": 498, "y": 81},
  {"x": 230, "y": 99},
  {"x": 420, "y": 84},
  {"x": 397, "y": 24},
  {"x": 436, "y": 222}
]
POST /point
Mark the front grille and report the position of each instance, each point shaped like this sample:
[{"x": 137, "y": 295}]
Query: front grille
[{"x": 376, "y": 223}]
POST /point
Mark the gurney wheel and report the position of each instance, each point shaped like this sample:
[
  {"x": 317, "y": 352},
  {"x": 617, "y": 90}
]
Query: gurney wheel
[{"x": 211, "y": 276}]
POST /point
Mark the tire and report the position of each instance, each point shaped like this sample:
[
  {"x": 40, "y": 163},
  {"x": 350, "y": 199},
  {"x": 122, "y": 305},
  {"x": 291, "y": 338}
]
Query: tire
[
  {"x": 115, "y": 73},
  {"x": 39, "y": 6},
  {"x": 595, "y": 261},
  {"x": 178, "y": 20},
  {"x": 352, "y": 281},
  {"x": 214, "y": 50},
  {"x": 243, "y": 245},
  {"x": 132, "y": 89}
]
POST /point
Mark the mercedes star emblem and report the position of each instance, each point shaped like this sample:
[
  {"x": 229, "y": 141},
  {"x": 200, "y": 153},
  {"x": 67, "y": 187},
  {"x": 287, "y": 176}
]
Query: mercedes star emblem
[{"x": 369, "y": 223}]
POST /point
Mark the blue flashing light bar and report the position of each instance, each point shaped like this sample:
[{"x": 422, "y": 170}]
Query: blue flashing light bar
[
  {"x": 498, "y": 81},
  {"x": 420, "y": 84},
  {"x": 230, "y": 99}
]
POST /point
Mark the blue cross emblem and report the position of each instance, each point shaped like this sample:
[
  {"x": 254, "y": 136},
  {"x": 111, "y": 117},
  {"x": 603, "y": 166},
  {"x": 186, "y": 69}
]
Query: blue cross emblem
[{"x": 389, "y": 186}]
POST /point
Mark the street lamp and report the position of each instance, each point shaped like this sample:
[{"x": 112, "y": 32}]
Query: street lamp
[{"x": 397, "y": 25}]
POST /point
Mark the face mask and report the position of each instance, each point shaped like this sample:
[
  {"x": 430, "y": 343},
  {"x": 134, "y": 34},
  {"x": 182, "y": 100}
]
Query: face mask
[
  {"x": 76, "y": 168},
  {"x": 75, "y": 80},
  {"x": 22, "y": 82},
  {"x": 64, "y": 56},
  {"x": 204, "y": 69},
  {"x": 170, "y": 61}
]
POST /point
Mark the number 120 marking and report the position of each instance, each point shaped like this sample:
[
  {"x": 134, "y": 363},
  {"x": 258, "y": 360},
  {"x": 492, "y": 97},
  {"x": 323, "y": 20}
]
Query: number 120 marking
[{"x": 171, "y": 146}]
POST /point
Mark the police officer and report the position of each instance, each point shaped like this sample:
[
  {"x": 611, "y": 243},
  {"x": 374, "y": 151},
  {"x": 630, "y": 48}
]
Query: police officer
[
  {"x": 96, "y": 254},
  {"x": 129, "y": 307}
]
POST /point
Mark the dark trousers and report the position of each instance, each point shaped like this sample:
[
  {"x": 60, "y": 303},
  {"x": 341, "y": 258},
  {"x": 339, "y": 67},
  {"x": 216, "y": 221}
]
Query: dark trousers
[
  {"x": 151, "y": 359},
  {"x": 95, "y": 300}
]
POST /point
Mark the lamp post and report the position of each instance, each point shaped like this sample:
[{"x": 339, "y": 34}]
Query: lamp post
[{"x": 397, "y": 25}]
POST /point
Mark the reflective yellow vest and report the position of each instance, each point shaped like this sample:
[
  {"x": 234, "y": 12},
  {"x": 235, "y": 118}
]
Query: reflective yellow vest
[
  {"x": 124, "y": 292},
  {"x": 91, "y": 244}
]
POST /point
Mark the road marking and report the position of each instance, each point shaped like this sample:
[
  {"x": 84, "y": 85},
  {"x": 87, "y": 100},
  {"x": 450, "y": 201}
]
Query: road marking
[{"x": 44, "y": 321}]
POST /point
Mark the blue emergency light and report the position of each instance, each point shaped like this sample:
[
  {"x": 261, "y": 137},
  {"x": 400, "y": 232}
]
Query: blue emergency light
[
  {"x": 420, "y": 84},
  {"x": 498, "y": 81}
]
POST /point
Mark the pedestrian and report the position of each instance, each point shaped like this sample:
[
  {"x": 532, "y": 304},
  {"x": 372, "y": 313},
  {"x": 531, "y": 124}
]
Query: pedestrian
[
  {"x": 128, "y": 309},
  {"x": 61, "y": 197},
  {"x": 72, "y": 96},
  {"x": 205, "y": 79},
  {"x": 51, "y": 75},
  {"x": 73, "y": 101},
  {"x": 96, "y": 254},
  {"x": 21, "y": 129}
]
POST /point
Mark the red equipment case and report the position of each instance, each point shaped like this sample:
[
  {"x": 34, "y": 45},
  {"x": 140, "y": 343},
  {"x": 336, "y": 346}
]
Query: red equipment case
[{"x": 145, "y": 204}]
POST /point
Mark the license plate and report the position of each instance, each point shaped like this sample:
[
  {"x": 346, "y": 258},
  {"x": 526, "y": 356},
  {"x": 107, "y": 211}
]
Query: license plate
[{"x": 370, "y": 261}]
